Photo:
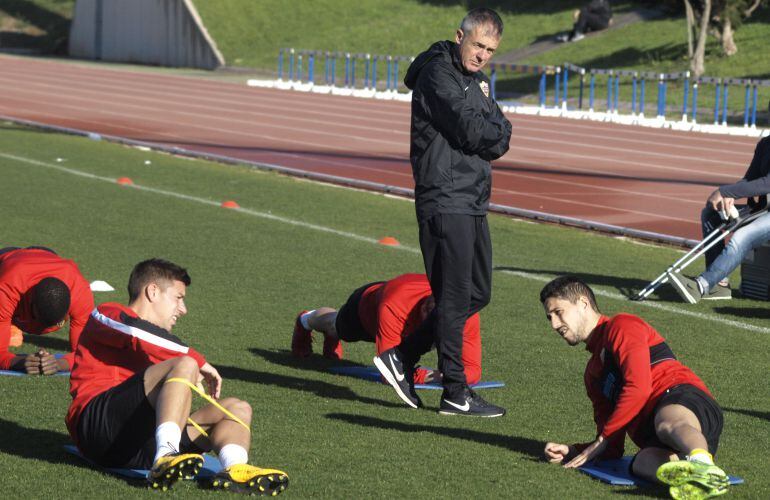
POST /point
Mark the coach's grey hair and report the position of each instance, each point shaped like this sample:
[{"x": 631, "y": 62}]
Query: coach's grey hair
[{"x": 482, "y": 17}]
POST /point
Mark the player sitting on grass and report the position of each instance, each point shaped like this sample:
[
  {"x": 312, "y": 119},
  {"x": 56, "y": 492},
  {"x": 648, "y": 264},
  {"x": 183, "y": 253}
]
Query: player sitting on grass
[
  {"x": 637, "y": 386},
  {"x": 38, "y": 291},
  {"x": 131, "y": 392},
  {"x": 384, "y": 312}
]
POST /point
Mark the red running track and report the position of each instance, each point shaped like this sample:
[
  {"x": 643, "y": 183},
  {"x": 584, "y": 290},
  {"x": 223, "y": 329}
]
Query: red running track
[{"x": 643, "y": 179}]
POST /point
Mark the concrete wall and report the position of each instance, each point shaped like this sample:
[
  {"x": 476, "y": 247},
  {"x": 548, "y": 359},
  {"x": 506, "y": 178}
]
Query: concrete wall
[{"x": 163, "y": 32}]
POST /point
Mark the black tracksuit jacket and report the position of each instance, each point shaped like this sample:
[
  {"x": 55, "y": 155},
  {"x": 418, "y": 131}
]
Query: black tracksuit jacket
[{"x": 456, "y": 131}]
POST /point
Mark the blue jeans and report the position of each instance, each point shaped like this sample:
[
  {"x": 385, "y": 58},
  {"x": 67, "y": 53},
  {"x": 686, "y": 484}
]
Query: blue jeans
[{"x": 722, "y": 259}]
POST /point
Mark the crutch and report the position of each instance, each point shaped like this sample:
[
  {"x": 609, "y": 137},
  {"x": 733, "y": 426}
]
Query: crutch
[{"x": 709, "y": 241}]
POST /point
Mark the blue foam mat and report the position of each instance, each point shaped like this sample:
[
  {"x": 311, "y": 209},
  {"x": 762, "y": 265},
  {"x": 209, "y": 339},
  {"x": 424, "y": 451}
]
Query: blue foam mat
[
  {"x": 617, "y": 472},
  {"x": 13, "y": 373},
  {"x": 371, "y": 373},
  {"x": 211, "y": 466}
]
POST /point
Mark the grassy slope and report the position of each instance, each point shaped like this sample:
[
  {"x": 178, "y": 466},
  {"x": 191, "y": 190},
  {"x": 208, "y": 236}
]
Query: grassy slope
[{"x": 335, "y": 436}]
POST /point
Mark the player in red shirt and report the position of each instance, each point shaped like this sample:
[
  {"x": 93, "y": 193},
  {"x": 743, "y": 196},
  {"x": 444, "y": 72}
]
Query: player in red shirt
[
  {"x": 38, "y": 291},
  {"x": 383, "y": 312},
  {"x": 131, "y": 392},
  {"x": 637, "y": 386}
]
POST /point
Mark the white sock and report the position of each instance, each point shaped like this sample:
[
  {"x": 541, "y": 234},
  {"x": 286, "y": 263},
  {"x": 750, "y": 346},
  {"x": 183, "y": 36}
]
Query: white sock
[
  {"x": 232, "y": 454},
  {"x": 167, "y": 437},
  {"x": 700, "y": 455},
  {"x": 303, "y": 319}
]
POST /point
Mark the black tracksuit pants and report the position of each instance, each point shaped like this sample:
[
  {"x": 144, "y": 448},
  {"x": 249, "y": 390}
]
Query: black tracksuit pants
[
  {"x": 457, "y": 251},
  {"x": 589, "y": 21}
]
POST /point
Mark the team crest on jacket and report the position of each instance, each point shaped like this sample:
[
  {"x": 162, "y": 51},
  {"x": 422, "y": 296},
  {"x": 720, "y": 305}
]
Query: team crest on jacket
[{"x": 484, "y": 87}]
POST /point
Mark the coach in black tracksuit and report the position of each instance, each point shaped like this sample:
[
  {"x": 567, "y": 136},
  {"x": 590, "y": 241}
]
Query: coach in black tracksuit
[{"x": 457, "y": 129}]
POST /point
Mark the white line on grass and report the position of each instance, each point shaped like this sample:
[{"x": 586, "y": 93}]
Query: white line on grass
[{"x": 265, "y": 215}]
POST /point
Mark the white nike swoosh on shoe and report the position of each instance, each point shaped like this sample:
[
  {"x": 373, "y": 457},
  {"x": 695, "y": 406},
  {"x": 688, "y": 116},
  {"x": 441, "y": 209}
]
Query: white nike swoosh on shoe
[
  {"x": 465, "y": 407},
  {"x": 399, "y": 376}
]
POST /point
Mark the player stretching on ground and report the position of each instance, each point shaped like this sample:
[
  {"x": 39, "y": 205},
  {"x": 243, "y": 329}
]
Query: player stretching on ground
[
  {"x": 384, "y": 312},
  {"x": 38, "y": 292},
  {"x": 637, "y": 386},
  {"x": 131, "y": 392}
]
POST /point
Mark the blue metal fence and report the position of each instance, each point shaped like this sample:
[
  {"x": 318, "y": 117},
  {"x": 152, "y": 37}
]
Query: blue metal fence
[
  {"x": 345, "y": 69},
  {"x": 290, "y": 64}
]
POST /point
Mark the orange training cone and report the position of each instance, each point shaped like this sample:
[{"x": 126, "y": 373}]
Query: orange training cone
[
  {"x": 125, "y": 181},
  {"x": 389, "y": 241},
  {"x": 230, "y": 204}
]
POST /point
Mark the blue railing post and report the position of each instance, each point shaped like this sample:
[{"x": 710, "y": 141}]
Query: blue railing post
[
  {"x": 389, "y": 68},
  {"x": 633, "y": 94},
  {"x": 641, "y": 96},
  {"x": 716, "y": 104},
  {"x": 366, "y": 70},
  {"x": 592, "y": 93},
  {"x": 724, "y": 103},
  {"x": 694, "y": 106},
  {"x": 566, "y": 87},
  {"x": 746, "y": 105},
  {"x": 754, "y": 108},
  {"x": 617, "y": 91},
  {"x": 334, "y": 68},
  {"x": 661, "y": 97},
  {"x": 395, "y": 75},
  {"x": 374, "y": 73},
  {"x": 291, "y": 65},
  {"x": 310, "y": 64},
  {"x": 686, "y": 95},
  {"x": 556, "y": 89},
  {"x": 280, "y": 64},
  {"x": 582, "y": 85},
  {"x": 299, "y": 67},
  {"x": 542, "y": 88},
  {"x": 347, "y": 70},
  {"x": 609, "y": 92}
]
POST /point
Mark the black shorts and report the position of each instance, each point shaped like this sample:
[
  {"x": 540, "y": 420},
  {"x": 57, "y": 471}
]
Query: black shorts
[
  {"x": 348, "y": 324},
  {"x": 117, "y": 427},
  {"x": 701, "y": 404}
]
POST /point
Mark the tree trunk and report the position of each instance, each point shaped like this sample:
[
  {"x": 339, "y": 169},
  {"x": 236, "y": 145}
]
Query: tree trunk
[
  {"x": 748, "y": 12},
  {"x": 690, "y": 17},
  {"x": 728, "y": 43},
  {"x": 697, "y": 65}
]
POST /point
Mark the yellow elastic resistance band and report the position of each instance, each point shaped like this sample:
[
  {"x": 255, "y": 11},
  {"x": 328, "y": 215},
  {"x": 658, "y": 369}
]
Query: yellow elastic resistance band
[{"x": 210, "y": 400}]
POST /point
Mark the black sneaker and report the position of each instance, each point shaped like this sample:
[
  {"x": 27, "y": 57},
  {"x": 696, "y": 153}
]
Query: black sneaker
[
  {"x": 400, "y": 377},
  {"x": 467, "y": 402}
]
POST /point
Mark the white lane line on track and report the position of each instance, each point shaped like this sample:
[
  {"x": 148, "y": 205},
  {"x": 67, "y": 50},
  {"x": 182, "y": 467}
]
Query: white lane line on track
[
  {"x": 365, "y": 239},
  {"x": 345, "y": 119},
  {"x": 391, "y": 172},
  {"x": 195, "y": 84},
  {"x": 614, "y": 162}
]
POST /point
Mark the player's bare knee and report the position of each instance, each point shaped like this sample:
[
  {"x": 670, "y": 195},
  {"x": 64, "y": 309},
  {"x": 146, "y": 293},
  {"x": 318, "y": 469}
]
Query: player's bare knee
[
  {"x": 186, "y": 366},
  {"x": 239, "y": 408}
]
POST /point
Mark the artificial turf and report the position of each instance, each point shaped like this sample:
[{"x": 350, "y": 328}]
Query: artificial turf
[{"x": 299, "y": 244}]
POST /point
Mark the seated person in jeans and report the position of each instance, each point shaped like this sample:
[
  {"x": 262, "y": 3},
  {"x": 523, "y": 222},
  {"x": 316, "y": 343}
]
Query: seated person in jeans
[
  {"x": 595, "y": 16},
  {"x": 722, "y": 259}
]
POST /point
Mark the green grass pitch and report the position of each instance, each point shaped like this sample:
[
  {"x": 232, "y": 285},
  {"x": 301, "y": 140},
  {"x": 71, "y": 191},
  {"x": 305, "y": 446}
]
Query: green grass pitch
[{"x": 299, "y": 244}]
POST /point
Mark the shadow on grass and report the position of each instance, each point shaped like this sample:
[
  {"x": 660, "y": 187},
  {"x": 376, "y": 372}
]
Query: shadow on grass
[
  {"x": 38, "y": 444},
  {"x": 625, "y": 286},
  {"x": 525, "y": 446},
  {"x": 315, "y": 362},
  {"x": 47, "y": 342},
  {"x": 744, "y": 312},
  {"x": 762, "y": 415},
  {"x": 42, "y": 444},
  {"x": 54, "y": 25},
  {"x": 317, "y": 387}
]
